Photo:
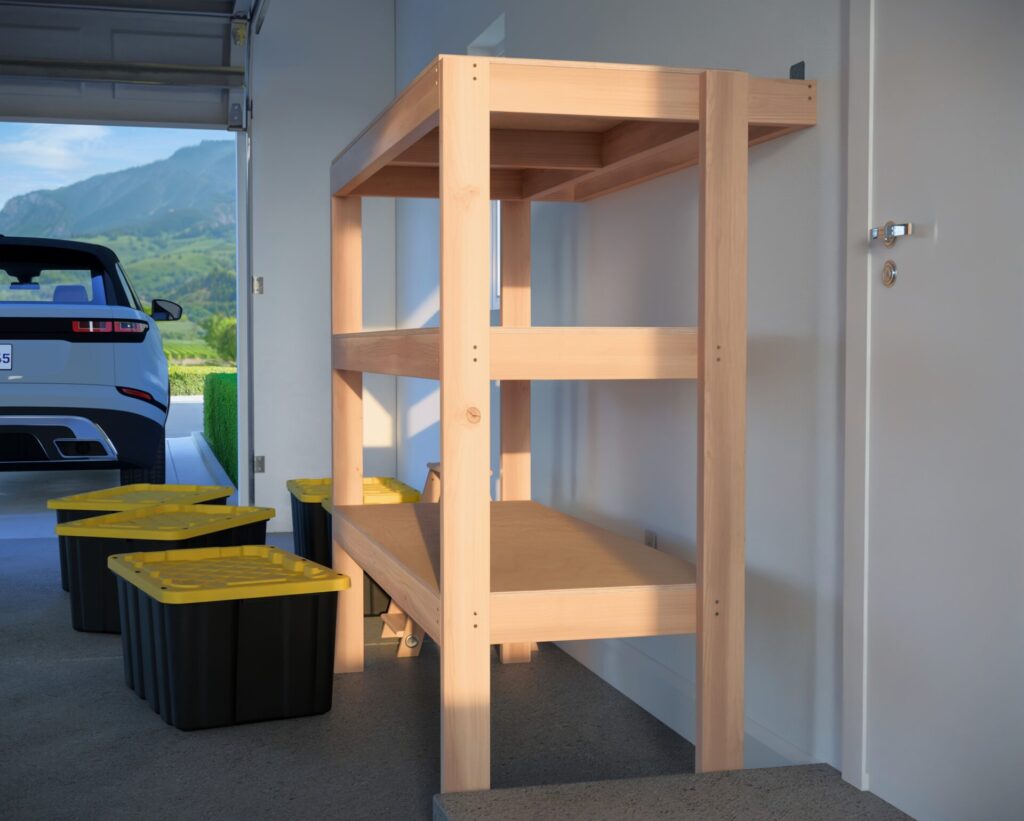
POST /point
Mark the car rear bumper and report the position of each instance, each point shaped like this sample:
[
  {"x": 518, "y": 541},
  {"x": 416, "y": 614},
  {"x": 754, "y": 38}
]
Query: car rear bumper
[{"x": 35, "y": 438}]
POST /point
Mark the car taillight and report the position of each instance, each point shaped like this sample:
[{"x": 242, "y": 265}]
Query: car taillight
[
  {"x": 135, "y": 393},
  {"x": 92, "y": 326},
  {"x": 128, "y": 327}
]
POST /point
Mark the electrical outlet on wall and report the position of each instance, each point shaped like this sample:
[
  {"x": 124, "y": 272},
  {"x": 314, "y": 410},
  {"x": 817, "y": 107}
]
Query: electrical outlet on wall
[{"x": 651, "y": 539}]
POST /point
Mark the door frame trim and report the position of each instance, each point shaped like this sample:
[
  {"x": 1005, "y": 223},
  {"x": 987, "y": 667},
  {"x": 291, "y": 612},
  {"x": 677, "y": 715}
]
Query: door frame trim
[
  {"x": 859, "y": 285},
  {"x": 243, "y": 312}
]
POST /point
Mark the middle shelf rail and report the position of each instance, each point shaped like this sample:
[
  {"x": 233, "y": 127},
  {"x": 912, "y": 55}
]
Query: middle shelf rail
[{"x": 583, "y": 353}]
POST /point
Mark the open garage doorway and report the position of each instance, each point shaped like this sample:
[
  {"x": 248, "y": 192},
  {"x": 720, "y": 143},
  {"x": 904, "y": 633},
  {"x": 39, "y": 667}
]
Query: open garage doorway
[
  {"x": 173, "y": 73},
  {"x": 164, "y": 201}
]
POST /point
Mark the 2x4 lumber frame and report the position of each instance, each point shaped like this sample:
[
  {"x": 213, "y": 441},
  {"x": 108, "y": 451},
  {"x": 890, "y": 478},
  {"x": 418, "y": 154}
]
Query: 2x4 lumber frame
[
  {"x": 409, "y": 352},
  {"x": 422, "y": 182},
  {"x": 625, "y": 145},
  {"x": 667, "y": 159},
  {"x": 634, "y": 92},
  {"x": 733, "y": 111},
  {"x": 593, "y": 353},
  {"x": 411, "y": 595},
  {"x": 515, "y": 313},
  {"x": 465, "y": 425},
  {"x": 521, "y": 148},
  {"x": 619, "y": 612},
  {"x": 525, "y": 353},
  {"x": 515, "y": 394},
  {"x": 413, "y": 114},
  {"x": 593, "y": 90},
  {"x": 347, "y": 421},
  {"x": 559, "y": 165},
  {"x": 721, "y": 425}
]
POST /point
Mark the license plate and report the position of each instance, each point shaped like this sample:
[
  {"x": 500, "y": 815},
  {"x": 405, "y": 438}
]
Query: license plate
[{"x": 6, "y": 357}]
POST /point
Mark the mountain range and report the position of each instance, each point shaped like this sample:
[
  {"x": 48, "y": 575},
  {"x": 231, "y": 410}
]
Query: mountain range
[{"x": 193, "y": 190}]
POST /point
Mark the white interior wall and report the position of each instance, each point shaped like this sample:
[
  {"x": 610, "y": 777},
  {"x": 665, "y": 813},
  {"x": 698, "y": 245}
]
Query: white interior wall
[
  {"x": 624, "y": 455},
  {"x": 321, "y": 71}
]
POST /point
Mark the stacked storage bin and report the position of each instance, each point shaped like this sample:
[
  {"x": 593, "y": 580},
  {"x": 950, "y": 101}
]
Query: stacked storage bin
[
  {"x": 89, "y": 542},
  {"x": 124, "y": 498}
]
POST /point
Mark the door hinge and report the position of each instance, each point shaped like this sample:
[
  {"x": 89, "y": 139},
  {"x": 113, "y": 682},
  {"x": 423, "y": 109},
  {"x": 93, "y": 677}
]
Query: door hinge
[
  {"x": 259, "y": 464},
  {"x": 257, "y": 285}
]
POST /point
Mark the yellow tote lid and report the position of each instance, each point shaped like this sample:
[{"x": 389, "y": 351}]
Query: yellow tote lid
[
  {"x": 166, "y": 523},
  {"x": 377, "y": 490},
  {"x": 209, "y": 574},
  {"x": 380, "y": 490},
  {"x": 310, "y": 490},
  {"x": 135, "y": 497},
  {"x": 384, "y": 490}
]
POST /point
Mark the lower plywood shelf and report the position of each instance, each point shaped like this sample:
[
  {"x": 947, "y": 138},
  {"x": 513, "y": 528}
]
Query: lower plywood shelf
[{"x": 553, "y": 577}]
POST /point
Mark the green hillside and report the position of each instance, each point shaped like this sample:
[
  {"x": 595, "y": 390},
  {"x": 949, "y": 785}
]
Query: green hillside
[{"x": 197, "y": 272}]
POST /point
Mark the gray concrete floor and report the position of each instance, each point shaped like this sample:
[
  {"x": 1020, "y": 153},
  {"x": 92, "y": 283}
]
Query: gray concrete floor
[{"x": 77, "y": 743}]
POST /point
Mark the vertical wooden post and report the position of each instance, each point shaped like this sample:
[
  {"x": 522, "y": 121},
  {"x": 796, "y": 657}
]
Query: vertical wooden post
[
  {"x": 722, "y": 375},
  {"x": 515, "y": 394},
  {"x": 465, "y": 425},
  {"x": 347, "y": 419}
]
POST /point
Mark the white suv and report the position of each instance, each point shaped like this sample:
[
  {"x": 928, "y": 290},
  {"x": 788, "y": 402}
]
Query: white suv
[{"x": 83, "y": 376}]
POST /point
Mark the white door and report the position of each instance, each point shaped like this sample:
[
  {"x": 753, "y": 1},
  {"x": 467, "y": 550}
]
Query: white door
[{"x": 934, "y": 683}]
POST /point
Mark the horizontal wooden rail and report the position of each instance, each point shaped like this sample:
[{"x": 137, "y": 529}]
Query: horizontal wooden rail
[
  {"x": 412, "y": 352},
  {"x": 570, "y": 615},
  {"x": 540, "y": 353},
  {"x": 583, "y": 90},
  {"x": 521, "y": 148},
  {"x": 413, "y": 114},
  {"x": 422, "y": 181},
  {"x": 625, "y": 147}
]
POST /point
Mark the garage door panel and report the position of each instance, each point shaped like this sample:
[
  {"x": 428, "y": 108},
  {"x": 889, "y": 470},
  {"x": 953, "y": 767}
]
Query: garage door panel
[
  {"x": 102, "y": 35},
  {"x": 183, "y": 96},
  {"x": 190, "y": 48},
  {"x": 23, "y": 40},
  {"x": 42, "y": 88}
]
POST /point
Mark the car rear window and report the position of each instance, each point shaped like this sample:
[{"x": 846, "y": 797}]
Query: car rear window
[
  {"x": 60, "y": 286},
  {"x": 41, "y": 274}
]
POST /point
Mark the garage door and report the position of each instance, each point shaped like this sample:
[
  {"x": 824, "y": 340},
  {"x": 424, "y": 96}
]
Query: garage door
[{"x": 167, "y": 62}]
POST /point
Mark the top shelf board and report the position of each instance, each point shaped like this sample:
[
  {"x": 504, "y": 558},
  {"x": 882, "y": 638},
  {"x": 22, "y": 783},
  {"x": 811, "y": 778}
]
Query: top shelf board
[{"x": 563, "y": 131}]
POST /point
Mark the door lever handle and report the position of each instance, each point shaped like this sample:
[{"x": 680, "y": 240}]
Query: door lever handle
[{"x": 892, "y": 231}]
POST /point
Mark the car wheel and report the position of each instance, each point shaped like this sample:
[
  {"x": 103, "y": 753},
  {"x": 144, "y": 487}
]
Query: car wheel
[{"x": 155, "y": 474}]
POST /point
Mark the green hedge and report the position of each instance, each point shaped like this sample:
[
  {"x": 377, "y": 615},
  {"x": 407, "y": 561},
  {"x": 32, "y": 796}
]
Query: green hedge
[
  {"x": 188, "y": 380},
  {"x": 220, "y": 419}
]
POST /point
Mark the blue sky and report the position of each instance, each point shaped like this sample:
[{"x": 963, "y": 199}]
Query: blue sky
[{"x": 42, "y": 155}]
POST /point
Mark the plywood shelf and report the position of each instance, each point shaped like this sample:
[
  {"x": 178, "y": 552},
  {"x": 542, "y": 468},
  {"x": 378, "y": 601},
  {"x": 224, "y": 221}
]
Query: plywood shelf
[
  {"x": 553, "y": 577},
  {"x": 561, "y": 130},
  {"x": 534, "y": 353}
]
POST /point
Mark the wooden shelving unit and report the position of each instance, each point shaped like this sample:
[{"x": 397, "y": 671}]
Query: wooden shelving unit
[{"x": 472, "y": 572}]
